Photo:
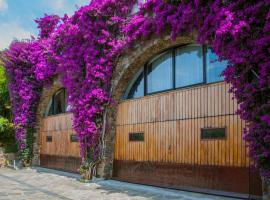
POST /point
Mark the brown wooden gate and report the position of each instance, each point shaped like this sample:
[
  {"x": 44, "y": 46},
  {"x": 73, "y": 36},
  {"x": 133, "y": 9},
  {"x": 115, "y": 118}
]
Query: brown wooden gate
[
  {"x": 59, "y": 148},
  {"x": 158, "y": 142}
]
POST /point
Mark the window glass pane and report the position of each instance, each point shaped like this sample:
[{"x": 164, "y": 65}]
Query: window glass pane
[
  {"x": 159, "y": 72},
  {"x": 67, "y": 104},
  {"x": 69, "y": 107},
  {"x": 59, "y": 102},
  {"x": 49, "y": 109},
  {"x": 188, "y": 66},
  {"x": 137, "y": 89},
  {"x": 214, "y": 67}
]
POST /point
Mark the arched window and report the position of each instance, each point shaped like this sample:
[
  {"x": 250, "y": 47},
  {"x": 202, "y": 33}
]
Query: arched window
[
  {"x": 177, "y": 68},
  {"x": 57, "y": 104}
]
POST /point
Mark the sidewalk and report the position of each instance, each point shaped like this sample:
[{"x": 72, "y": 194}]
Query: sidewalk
[{"x": 44, "y": 184}]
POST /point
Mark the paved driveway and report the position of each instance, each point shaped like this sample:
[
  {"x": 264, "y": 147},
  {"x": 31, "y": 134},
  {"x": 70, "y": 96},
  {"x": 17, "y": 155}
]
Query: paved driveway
[{"x": 43, "y": 184}]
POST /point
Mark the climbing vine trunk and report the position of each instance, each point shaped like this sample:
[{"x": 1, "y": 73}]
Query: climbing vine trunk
[{"x": 266, "y": 189}]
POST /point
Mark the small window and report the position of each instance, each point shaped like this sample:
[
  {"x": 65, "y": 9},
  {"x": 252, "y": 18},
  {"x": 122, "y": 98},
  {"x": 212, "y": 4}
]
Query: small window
[
  {"x": 73, "y": 138},
  {"x": 214, "y": 67},
  {"x": 213, "y": 133},
  {"x": 160, "y": 73},
  {"x": 189, "y": 66},
  {"x": 133, "y": 137},
  {"x": 49, "y": 138}
]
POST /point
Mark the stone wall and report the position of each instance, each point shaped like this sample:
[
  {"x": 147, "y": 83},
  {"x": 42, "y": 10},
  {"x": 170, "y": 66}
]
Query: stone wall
[
  {"x": 2, "y": 158},
  {"x": 266, "y": 189},
  {"x": 44, "y": 101},
  {"x": 128, "y": 65},
  {"x": 6, "y": 158}
]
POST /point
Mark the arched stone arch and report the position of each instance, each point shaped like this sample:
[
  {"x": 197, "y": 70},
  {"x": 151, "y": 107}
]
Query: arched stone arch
[
  {"x": 47, "y": 94},
  {"x": 128, "y": 65}
]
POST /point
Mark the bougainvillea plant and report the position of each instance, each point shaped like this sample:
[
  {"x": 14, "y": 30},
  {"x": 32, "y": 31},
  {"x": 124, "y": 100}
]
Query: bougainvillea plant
[
  {"x": 83, "y": 49},
  {"x": 25, "y": 93}
]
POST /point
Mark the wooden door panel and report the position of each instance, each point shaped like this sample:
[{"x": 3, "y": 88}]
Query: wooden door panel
[
  {"x": 180, "y": 142},
  {"x": 61, "y": 152},
  {"x": 222, "y": 180},
  {"x": 173, "y": 153}
]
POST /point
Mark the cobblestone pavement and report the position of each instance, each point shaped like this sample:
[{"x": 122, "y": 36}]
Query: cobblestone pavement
[{"x": 43, "y": 184}]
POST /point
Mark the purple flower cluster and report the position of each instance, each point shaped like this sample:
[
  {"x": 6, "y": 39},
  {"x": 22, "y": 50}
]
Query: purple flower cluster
[
  {"x": 47, "y": 24},
  {"x": 25, "y": 93},
  {"x": 84, "y": 48}
]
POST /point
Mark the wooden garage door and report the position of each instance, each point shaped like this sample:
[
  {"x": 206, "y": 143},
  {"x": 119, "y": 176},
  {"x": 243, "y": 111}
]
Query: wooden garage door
[
  {"x": 59, "y": 148},
  {"x": 169, "y": 150}
]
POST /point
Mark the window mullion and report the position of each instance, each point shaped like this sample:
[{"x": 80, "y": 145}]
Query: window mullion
[{"x": 145, "y": 79}]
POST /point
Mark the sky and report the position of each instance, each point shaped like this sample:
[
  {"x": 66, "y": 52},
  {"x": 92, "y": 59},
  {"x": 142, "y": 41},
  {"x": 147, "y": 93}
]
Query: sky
[{"x": 17, "y": 16}]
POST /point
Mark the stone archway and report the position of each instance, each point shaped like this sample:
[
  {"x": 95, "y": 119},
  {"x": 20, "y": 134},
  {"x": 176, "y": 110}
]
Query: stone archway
[
  {"x": 128, "y": 65},
  {"x": 44, "y": 100}
]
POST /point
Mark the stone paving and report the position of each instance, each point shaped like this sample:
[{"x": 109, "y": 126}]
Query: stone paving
[{"x": 43, "y": 184}]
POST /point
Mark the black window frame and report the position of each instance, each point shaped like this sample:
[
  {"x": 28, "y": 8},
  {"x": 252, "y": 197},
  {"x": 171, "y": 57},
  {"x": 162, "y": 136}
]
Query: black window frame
[
  {"x": 211, "y": 129},
  {"x": 136, "y": 137},
  {"x": 173, "y": 49}
]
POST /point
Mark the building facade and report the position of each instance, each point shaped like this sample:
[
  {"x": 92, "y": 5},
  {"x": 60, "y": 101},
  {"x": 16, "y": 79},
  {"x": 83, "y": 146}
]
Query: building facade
[{"x": 173, "y": 124}]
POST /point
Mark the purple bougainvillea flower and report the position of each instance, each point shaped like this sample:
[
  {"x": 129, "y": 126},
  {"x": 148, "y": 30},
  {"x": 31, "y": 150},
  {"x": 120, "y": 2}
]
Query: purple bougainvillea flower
[{"x": 266, "y": 118}]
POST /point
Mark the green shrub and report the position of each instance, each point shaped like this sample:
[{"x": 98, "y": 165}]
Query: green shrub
[
  {"x": 7, "y": 132},
  {"x": 5, "y": 106},
  {"x": 7, "y": 137}
]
